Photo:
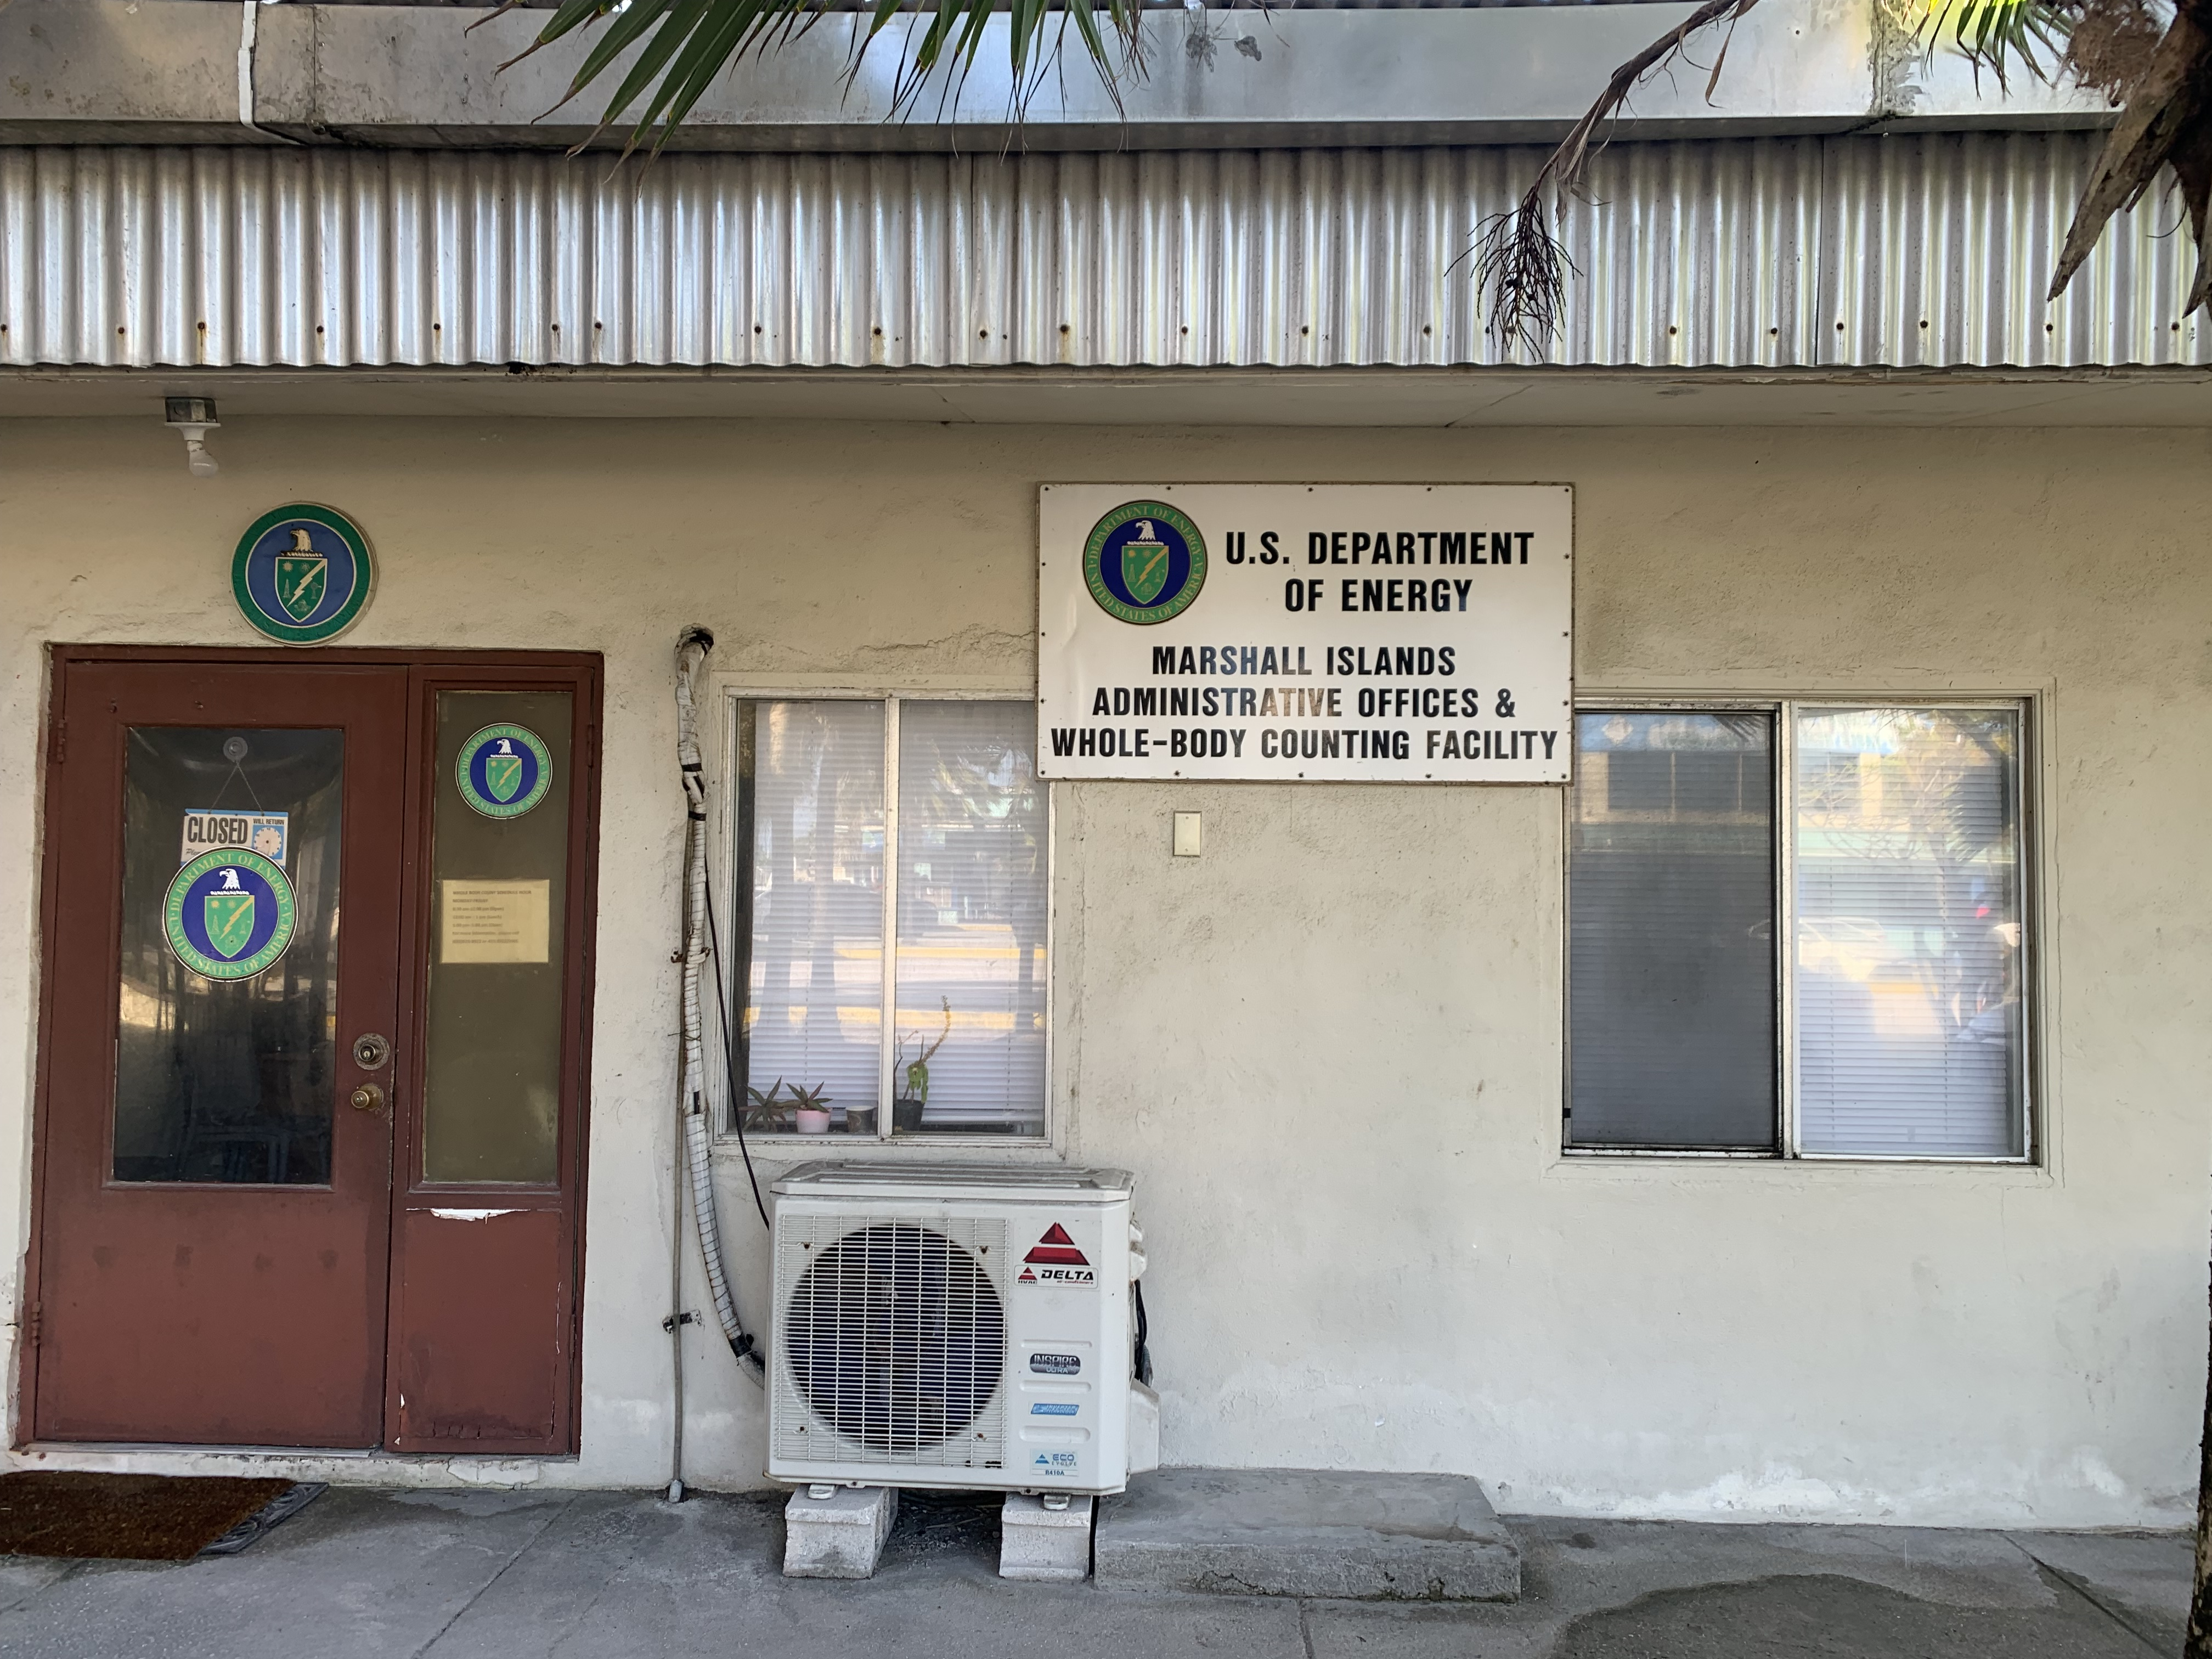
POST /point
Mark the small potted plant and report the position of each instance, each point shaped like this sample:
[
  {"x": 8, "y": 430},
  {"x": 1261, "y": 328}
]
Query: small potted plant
[
  {"x": 763, "y": 1109},
  {"x": 914, "y": 1084},
  {"x": 812, "y": 1108}
]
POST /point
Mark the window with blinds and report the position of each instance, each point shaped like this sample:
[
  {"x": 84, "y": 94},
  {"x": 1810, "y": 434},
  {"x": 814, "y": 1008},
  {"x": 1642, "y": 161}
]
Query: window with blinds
[
  {"x": 1907, "y": 923},
  {"x": 1671, "y": 958},
  {"x": 918, "y": 823},
  {"x": 1885, "y": 851}
]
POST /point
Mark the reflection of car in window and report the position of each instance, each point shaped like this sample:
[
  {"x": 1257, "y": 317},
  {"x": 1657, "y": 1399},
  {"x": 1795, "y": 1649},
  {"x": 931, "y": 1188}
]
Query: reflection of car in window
[
  {"x": 1991, "y": 1029},
  {"x": 1853, "y": 946}
]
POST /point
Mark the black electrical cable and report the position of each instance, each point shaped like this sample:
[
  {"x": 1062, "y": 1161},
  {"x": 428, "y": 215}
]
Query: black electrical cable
[
  {"x": 1143, "y": 1357},
  {"x": 730, "y": 1050}
]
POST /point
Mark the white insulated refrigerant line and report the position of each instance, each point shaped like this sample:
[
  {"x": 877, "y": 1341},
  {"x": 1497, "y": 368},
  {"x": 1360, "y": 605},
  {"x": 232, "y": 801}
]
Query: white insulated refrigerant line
[{"x": 691, "y": 656}]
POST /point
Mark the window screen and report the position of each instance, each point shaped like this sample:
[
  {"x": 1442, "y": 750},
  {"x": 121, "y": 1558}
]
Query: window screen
[
  {"x": 1671, "y": 952},
  {"x": 1907, "y": 931},
  {"x": 964, "y": 1051}
]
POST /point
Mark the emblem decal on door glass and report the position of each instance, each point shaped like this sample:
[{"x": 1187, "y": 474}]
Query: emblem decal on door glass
[
  {"x": 504, "y": 770},
  {"x": 302, "y": 574},
  {"x": 229, "y": 913}
]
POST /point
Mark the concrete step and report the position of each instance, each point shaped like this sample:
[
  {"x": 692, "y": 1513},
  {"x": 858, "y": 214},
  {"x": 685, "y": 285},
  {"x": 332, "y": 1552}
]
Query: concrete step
[{"x": 1308, "y": 1532}]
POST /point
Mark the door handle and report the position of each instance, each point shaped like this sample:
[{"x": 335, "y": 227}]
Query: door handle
[{"x": 367, "y": 1099}]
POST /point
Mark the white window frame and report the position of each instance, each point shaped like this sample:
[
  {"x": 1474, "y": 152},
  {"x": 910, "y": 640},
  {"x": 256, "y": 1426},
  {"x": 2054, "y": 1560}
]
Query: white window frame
[
  {"x": 1783, "y": 709},
  {"x": 725, "y": 875}
]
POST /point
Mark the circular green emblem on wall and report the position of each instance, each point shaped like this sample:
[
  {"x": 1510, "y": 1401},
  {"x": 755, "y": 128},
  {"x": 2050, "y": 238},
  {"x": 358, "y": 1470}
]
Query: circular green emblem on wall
[
  {"x": 504, "y": 770},
  {"x": 229, "y": 913},
  {"x": 1145, "y": 563},
  {"x": 302, "y": 574}
]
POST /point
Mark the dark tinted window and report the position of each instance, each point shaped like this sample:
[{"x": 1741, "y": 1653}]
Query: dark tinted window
[{"x": 1671, "y": 941}]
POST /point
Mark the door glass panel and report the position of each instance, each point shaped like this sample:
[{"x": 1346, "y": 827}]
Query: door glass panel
[
  {"x": 228, "y": 1011},
  {"x": 499, "y": 868}
]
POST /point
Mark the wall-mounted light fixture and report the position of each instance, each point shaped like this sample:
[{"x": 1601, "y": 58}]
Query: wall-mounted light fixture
[{"x": 195, "y": 418}]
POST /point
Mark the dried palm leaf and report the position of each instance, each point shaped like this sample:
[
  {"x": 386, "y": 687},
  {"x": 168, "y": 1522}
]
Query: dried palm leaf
[{"x": 1520, "y": 263}]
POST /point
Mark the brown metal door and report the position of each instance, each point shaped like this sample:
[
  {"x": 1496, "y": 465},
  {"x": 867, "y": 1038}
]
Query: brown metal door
[
  {"x": 214, "y": 1223},
  {"x": 487, "y": 1254}
]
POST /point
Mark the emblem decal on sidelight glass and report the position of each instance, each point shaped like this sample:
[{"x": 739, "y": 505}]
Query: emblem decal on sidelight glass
[{"x": 504, "y": 770}]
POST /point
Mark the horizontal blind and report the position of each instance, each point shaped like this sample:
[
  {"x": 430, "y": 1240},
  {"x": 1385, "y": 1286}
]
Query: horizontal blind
[
  {"x": 1671, "y": 936},
  {"x": 810, "y": 783},
  {"x": 1907, "y": 931},
  {"x": 971, "y": 967}
]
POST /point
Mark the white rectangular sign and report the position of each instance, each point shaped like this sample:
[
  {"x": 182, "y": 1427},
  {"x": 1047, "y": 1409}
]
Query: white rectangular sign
[{"x": 1398, "y": 633}]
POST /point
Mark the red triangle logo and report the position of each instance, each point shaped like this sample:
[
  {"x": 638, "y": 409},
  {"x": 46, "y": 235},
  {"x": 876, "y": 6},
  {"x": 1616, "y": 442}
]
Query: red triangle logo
[{"x": 1057, "y": 1248}]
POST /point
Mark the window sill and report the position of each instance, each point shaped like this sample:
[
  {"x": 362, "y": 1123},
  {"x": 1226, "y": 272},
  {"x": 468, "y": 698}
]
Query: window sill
[
  {"x": 1766, "y": 1169},
  {"x": 785, "y": 1148}
]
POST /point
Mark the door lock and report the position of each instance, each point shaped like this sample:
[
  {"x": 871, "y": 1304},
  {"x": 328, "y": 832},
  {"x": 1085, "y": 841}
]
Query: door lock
[
  {"x": 368, "y": 1098},
  {"x": 370, "y": 1052}
]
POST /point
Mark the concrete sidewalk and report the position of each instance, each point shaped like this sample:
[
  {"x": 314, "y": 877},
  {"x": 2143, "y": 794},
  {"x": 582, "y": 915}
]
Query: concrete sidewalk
[{"x": 620, "y": 1575}]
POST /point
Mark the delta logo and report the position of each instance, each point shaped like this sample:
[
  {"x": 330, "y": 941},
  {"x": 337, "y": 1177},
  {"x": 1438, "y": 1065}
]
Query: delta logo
[{"x": 1055, "y": 1260}]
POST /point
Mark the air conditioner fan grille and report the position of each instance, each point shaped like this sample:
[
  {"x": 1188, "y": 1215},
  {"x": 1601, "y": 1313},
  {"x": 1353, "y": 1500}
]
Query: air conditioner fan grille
[{"x": 894, "y": 1337}]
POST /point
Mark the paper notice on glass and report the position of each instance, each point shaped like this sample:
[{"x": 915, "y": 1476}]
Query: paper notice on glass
[{"x": 494, "y": 921}]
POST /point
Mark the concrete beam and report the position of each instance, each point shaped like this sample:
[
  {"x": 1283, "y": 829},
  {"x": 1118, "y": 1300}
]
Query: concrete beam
[
  {"x": 116, "y": 71},
  {"x": 100, "y": 71}
]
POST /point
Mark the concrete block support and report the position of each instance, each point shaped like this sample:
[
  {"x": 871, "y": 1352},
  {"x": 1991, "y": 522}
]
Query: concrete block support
[
  {"x": 836, "y": 1532},
  {"x": 1308, "y": 1532},
  {"x": 1043, "y": 1544}
]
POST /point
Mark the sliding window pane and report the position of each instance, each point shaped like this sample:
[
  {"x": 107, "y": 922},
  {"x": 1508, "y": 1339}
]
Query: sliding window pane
[
  {"x": 810, "y": 806},
  {"x": 1671, "y": 941},
  {"x": 971, "y": 920},
  {"x": 1910, "y": 1034}
]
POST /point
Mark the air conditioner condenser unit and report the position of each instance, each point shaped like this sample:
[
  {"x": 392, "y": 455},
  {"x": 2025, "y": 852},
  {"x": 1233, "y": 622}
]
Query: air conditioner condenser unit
[{"x": 955, "y": 1326}]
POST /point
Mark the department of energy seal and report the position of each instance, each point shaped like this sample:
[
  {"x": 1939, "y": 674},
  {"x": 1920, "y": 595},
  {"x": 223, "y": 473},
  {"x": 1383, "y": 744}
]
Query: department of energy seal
[
  {"x": 503, "y": 771},
  {"x": 229, "y": 913},
  {"x": 302, "y": 575},
  {"x": 1145, "y": 563}
]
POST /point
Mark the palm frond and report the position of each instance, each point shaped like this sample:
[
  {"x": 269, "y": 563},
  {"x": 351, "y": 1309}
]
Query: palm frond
[
  {"x": 686, "y": 44},
  {"x": 2001, "y": 35}
]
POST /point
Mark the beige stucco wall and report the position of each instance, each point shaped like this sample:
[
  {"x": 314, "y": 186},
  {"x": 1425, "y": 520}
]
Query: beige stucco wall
[{"x": 1331, "y": 1048}]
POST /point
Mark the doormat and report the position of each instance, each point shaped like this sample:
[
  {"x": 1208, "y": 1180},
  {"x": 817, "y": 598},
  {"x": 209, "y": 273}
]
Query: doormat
[{"x": 139, "y": 1518}]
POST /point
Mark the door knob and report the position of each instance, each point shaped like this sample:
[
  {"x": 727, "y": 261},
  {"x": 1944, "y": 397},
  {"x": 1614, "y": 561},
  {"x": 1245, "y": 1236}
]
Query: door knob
[
  {"x": 368, "y": 1098},
  {"x": 370, "y": 1052}
]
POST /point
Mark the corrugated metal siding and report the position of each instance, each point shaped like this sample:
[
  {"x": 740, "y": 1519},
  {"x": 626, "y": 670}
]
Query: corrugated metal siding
[{"x": 1905, "y": 251}]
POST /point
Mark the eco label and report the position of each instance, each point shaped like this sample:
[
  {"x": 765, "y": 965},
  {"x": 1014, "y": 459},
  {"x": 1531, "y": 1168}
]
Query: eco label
[
  {"x": 229, "y": 913},
  {"x": 503, "y": 771}
]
